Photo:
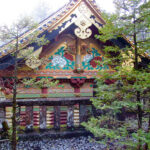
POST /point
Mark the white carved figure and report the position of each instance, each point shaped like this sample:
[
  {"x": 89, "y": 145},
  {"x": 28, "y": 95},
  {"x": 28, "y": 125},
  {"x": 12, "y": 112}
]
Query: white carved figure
[
  {"x": 87, "y": 58},
  {"x": 58, "y": 60}
]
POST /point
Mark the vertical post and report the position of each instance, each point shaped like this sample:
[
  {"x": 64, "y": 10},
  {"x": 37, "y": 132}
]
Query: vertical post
[
  {"x": 83, "y": 113},
  {"x": 78, "y": 53},
  {"x": 42, "y": 117},
  {"x": 57, "y": 117},
  {"x": 29, "y": 118},
  {"x": 70, "y": 117}
]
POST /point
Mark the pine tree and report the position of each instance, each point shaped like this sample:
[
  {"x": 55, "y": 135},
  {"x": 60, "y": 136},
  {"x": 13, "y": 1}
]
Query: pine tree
[
  {"x": 125, "y": 88},
  {"x": 12, "y": 35}
]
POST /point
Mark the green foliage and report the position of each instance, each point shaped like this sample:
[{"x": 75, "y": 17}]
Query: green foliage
[
  {"x": 41, "y": 83},
  {"x": 126, "y": 89},
  {"x": 5, "y": 130},
  {"x": 13, "y": 34}
]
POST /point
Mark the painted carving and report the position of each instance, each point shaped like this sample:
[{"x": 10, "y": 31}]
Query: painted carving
[
  {"x": 58, "y": 60},
  {"x": 83, "y": 32},
  {"x": 83, "y": 23},
  {"x": 77, "y": 83},
  {"x": 70, "y": 118},
  {"x": 94, "y": 62},
  {"x": 42, "y": 117},
  {"x": 61, "y": 60},
  {"x": 33, "y": 61},
  {"x": 90, "y": 61},
  {"x": 87, "y": 58}
]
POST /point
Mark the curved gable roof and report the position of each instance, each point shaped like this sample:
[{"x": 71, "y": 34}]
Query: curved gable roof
[{"x": 58, "y": 21}]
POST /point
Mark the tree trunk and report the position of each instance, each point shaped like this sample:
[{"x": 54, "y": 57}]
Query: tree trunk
[
  {"x": 14, "y": 122},
  {"x": 138, "y": 99},
  {"x": 148, "y": 130}
]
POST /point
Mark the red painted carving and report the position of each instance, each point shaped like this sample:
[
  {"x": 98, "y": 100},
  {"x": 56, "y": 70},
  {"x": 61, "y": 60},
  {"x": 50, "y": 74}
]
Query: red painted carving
[
  {"x": 77, "y": 83},
  {"x": 68, "y": 56},
  {"x": 94, "y": 62}
]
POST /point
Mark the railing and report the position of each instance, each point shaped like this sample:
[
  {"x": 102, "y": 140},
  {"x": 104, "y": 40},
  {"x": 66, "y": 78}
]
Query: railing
[{"x": 50, "y": 113}]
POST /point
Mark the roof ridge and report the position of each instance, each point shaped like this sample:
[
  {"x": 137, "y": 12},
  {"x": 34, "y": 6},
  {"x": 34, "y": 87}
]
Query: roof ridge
[{"x": 47, "y": 22}]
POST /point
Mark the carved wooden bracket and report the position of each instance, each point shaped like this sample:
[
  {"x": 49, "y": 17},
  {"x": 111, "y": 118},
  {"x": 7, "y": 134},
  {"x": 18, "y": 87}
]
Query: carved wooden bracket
[{"x": 77, "y": 83}]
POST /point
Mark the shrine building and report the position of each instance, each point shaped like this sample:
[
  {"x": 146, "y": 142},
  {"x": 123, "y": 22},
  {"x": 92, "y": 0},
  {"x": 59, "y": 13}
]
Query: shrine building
[{"x": 71, "y": 58}]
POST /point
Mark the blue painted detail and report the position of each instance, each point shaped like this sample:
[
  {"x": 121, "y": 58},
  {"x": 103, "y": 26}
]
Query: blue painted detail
[
  {"x": 40, "y": 28},
  {"x": 44, "y": 25},
  {"x": 57, "y": 66},
  {"x": 86, "y": 65},
  {"x": 21, "y": 41},
  {"x": 95, "y": 53}
]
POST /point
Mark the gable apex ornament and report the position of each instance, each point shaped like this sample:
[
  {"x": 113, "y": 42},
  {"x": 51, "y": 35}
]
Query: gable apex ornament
[{"x": 83, "y": 23}]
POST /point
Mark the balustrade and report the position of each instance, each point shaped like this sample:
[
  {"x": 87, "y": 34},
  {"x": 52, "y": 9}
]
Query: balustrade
[{"x": 47, "y": 116}]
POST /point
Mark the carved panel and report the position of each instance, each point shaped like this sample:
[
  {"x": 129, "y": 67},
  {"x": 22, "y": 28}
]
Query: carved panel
[
  {"x": 83, "y": 23},
  {"x": 61, "y": 60},
  {"x": 90, "y": 60},
  {"x": 70, "y": 116},
  {"x": 42, "y": 117}
]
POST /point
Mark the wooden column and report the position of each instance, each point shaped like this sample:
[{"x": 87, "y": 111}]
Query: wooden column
[
  {"x": 42, "y": 117},
  {"x": 78, "y": 54},
  {"x": 29, "y": 117},
  {"x": 57, "y": 117},
  {"x": 70, "y": 117}
]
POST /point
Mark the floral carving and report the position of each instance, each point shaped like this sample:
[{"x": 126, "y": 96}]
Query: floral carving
[
  {"x": 68, "y": 56},
  {"x": 94, "y": 61}
]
